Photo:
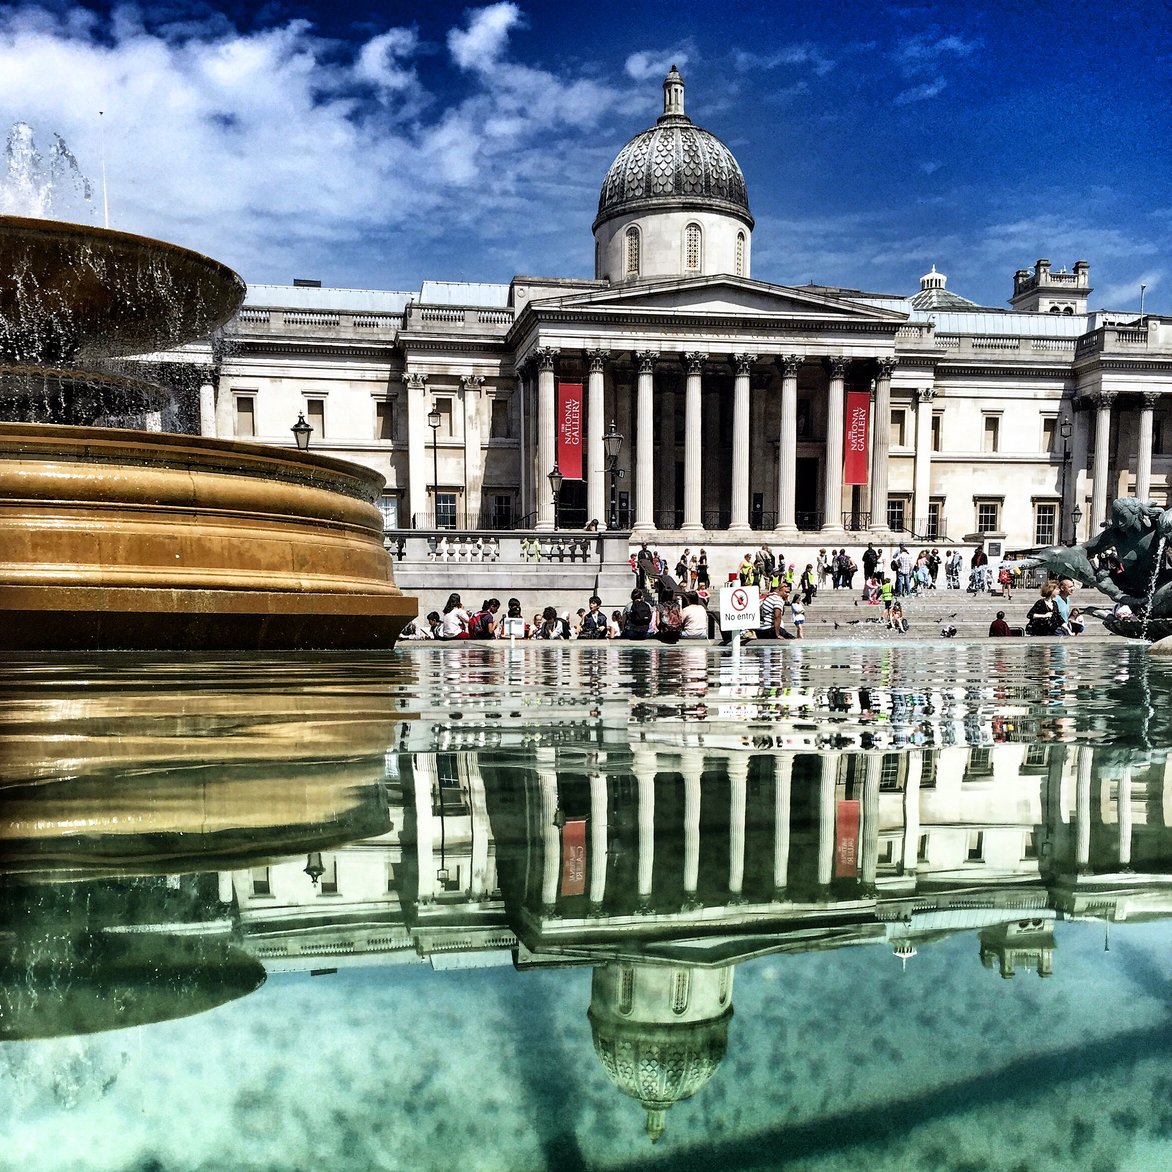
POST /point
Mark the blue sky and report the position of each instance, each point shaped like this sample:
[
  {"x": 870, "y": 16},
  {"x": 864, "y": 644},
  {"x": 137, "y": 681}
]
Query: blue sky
[{"x": 376, "y": 145}]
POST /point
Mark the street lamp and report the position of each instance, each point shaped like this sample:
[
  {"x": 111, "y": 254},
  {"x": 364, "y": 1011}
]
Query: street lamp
[
  {"x": 314, "y": 867},
  {"x": 612, "y": 444},
  {"x": 434, "y": 419},
  {"x": 1075, "y": 516},
  {"x": 555, "y": 484},
  {"x": 301, "y": 432},
  {"x": 1065, "y": 429}
]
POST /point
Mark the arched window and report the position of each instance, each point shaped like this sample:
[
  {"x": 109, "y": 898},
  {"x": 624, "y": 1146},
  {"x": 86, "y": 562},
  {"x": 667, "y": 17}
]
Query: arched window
[
  {"x": 632, "y": 252},
  {"x": 626, "y": 989},
  {"x": 693, "y": 249},
  {"x": 740, "y": 257}
]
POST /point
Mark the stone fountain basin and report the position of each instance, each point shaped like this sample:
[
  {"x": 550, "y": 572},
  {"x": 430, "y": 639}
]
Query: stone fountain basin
[
  {"x": 115, "y": 539},
  {"x": 71, "y": 291}
]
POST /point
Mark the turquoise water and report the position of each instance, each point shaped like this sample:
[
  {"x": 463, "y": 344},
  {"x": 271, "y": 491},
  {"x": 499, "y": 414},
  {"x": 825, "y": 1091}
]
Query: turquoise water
[{"x": 835, "y": 907}]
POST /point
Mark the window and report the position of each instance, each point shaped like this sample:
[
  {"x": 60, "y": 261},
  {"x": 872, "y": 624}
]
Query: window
[
  {"x": 328, "y": 883},
  {"x": 1045, "y": 523},
  {"x": 980, "y": 762},
  {"x": 444, "y": 407},
  {"x": 886, "y": 851},
  {"x": 502, "y": 511},
  {"x": 937, "y": 424},
  {"x": 261, "y": 881},
  {"x": 499, "y": 425},
  {"x": 448, "y": 797},
  {"x": 388, "y": 505},
  {"x": 976, "y": 846},
  {"x": 384, "y": 421},
  {"x": 991, "y": 437},
  {"x": 896, "y": 512},
  {"x": 928, "y": 771},
  {"x": 631, "y": 240},
  {"x": 1029, "y": 848},
  {"x": 922, "y": 849},
  {"x": 1049, "y": 434},
  {"x": 740, "y": 257},
  {"x": 899, "y": 429},
  {"x": 693, "y": 248},
  {"x": 988, "y": 516},
  {"x": 1036, "y": 756},
  {"x": 935, "y": 512},
  {"x": 445, "y": 510},
  {"x": 315, "y": 416},
  {"x": 245, "y": 415},
  {"x": 889, "y": 771}
]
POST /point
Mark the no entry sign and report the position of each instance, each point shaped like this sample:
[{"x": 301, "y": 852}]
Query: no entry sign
[{"x": 740, "y": 608}]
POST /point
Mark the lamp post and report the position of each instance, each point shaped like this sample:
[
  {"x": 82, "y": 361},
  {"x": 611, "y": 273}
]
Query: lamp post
[
  {"x": 1065, "y": 429},
  {"x": 1075, "y": 516},
  {"x": 434, "y": 419},
  {"x": 314, "y": 867},
  {"x": 301, "y": 432},
  {"x": 612, "y": 444},
  {"x": 555, "y": 484}
]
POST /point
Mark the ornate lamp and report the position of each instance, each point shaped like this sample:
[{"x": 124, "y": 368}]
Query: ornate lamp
[{"x": 301, "y": 432}]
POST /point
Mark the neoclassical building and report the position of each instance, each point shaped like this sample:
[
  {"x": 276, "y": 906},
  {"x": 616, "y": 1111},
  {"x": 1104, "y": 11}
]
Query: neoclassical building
[{"x": 737, "y": 399}]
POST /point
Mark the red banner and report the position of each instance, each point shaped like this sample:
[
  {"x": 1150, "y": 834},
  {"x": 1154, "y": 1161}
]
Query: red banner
[
  {"x": 569, "y": 430},
  {"x": 846, "y": 840},
  {"x": 574, "y": 857},
  {"x": 854, "y": 440}
]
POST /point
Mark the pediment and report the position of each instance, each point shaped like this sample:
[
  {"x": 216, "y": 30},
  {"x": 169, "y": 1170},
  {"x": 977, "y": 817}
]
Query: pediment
[{"x": 723, "y": 295}]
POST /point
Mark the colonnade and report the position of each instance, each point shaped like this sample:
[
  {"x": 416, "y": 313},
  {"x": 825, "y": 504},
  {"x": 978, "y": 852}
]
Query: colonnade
[{"x": 544, "y": 362}]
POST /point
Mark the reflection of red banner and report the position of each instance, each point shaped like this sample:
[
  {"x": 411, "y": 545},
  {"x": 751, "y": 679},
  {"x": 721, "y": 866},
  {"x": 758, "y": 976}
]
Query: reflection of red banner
[
  {"x": 574, "y": 857},
  {"x": 569, "y": 430},
  {"x": 854, "y": 441},
  {"x": 846, "y": 842}
]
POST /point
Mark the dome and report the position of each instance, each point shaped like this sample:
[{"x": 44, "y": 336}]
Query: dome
[{"x": 674, "y": 164}]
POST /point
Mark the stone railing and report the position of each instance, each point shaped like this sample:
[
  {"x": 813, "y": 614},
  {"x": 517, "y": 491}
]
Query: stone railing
[
  {"x": 1126, "y": 339},
  {"x": 318, "y": 323},
  {"x": 962, "y": 345},
  {"x": 457, "y": 319}
]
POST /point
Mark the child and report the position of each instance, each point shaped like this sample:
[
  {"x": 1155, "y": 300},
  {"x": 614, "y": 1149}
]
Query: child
[
  {"x": 797, "y": 614},
  {"x": 1005, "y": 580},
  {"x": 897, "y": 622}
]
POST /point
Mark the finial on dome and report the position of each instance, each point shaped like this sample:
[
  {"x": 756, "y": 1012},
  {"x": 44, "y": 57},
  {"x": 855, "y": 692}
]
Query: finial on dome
[{"x": 673, "y": 94}]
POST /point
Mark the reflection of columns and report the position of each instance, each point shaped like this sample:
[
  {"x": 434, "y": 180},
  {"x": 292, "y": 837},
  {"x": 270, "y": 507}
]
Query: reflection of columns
[
  {"x": 694, "y": 365},
  {"x": 1082, "y": 811},
  {"x": 922, "y": 475},
  {"x": 787, "y": 445},
  {"x": 881, "y": 448},
  {"x": 644, "y": 765},
  {"x": 1102, "y": 401},
  {"x": 835, "y": 416},
  {"x": 1123, "y": 812},
  {"x": 869, "y": 823},
  {"x": 596, "y": 481},
  {"x": 911, "y": 811},
  {"x": 645, "y": 440},
  {"x": 738, "y": 773},
  {"x": 826, "y": 780},
  {"x": 692, "y": 771},
  {"x": 1143, "y": 459},
  {"x": 599, "y": 846},
  {"x": 783, "y": 771},
  {"x": 424, "y": 832},
  {"x": 545, "y": 434},
  {"x": 739, "y": 514},
  {"x": 478, "y": 884},
  {"x": 551, "y": 838}
]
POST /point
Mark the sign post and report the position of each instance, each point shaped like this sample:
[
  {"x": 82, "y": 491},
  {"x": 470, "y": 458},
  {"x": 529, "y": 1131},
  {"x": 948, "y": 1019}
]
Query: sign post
[{"x": 740, "y": 610}]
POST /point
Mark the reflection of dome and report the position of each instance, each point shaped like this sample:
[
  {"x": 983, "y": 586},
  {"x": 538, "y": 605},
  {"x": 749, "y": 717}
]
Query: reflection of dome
[
  {"x": 660, "y": 1032},
  {"x": 673, "y": 163}
]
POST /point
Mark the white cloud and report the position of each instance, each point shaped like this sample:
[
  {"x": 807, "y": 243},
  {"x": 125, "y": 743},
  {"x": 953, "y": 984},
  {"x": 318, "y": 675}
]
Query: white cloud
[
  {"x": 1125, "y": 294},
  {"x": 795, "y": 56},
  {"x": 652, "y": 65},
  {"x": 479, "y": 46},
  {"x": 921, "y": 93},
  {"x": 383, "y": 60},
  {"x": 923, "y": 53}
]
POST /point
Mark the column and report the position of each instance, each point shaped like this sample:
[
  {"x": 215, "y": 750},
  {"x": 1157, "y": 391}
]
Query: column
[
  {"x": 826, "y": 786},
  {"x": 881, "y": 443},
  {"x": 1082, "y": 811},
  {"x": 420, "y": 462},
  {"x": 835, "y": 420},
  {"x": 474, "y": 432},
  {"x": 739, "y": 516},
  {"x": 911, "y": 812},
  {"x": 597, "y": 481},
  {"x": 783, "y": 772},
  {"x": 551, "y": 836},
  {"x": 693, "y": 470},
  {"x": 787, "y": 446},
  {"x": 738, "y": 774},
  {"x": 1123, "y": 813},
  {"x": 692, "y": 770},
  {"x": 207, "y": 409},
  {"x": 869, "y": 823},
  {"x": 1143, "y": 457},
  {"x": 599, "y": 842},
  {"x": 546, "y": 356},
  {"x": 645, "y": 440},
  {"x": 1102, "y": 401},
  {"x": 922, "y": 474},
  {"x": 666, "y": 405},
  {"x": 644, "y": 766},
  {"x": 225, "y": 411}
]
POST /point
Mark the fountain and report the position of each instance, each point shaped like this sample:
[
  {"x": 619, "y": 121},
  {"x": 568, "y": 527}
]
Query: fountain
[{"x": 117, "y": 534}]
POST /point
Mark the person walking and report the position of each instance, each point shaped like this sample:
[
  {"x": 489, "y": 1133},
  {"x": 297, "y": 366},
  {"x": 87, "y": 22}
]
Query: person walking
[
  {"x": 977, "y": 570},
  {"x": 702, "y": 570}
]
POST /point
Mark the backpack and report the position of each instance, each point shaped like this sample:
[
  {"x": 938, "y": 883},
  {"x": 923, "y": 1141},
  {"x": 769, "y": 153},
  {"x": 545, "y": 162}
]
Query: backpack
[
  {"x": 640, "y": 614},
  {"x": 478, "y": 625}
]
